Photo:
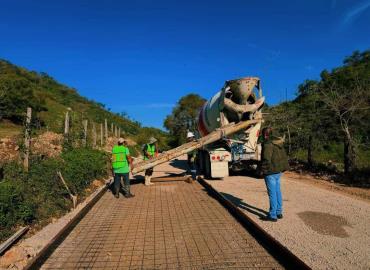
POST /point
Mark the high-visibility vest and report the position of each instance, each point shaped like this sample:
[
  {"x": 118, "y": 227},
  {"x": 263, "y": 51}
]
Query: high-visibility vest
[
  {"x": 119, "y": 159},
  {"x": 151, "y": 150}
]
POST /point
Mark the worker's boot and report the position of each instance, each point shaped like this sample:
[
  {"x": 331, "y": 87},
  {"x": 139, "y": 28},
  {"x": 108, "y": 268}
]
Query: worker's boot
[{"x": 147, "y": 180}]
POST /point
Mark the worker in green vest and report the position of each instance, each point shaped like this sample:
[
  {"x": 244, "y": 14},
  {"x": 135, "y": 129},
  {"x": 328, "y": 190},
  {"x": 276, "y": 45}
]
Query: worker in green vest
[
  {"x": 121, "y": 163},
  {"x": 150, "y": 151}
]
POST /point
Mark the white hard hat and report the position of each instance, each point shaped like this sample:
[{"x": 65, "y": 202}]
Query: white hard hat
[
  {"x": 121, "y": 140},
  {"x": 190, "y": 135},
  {"x": 152, "y": 140}
]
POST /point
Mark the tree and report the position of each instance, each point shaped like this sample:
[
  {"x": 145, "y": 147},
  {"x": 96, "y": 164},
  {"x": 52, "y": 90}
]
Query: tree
[
  {"x": 346, "y": 92},
  {"x": 183, "y": 118},
  {"x": 330, "y": 111},
  {"x": 347, "y": 106},
  {"x": 16, "y": 95}
]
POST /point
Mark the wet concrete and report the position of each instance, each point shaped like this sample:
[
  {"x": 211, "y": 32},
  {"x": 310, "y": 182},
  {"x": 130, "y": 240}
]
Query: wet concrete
[{"x": 324, "y": 223}]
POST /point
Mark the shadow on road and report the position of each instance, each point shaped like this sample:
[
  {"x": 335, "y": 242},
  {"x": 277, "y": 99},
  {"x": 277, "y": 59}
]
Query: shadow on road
[
  {"x": 179, "y": 164},
  {"x": 249, "y": 173},
  {"x": 250, "y": 208}
]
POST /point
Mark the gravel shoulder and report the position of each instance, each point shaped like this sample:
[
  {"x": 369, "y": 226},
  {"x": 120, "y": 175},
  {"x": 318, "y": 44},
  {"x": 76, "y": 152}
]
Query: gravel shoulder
[{"x": 327, "y": 228}]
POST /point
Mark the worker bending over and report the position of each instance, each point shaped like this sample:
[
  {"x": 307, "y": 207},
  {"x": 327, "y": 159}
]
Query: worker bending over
[
  {"x": 192, "y": 156},
  {"x": 150, "y": 151}
]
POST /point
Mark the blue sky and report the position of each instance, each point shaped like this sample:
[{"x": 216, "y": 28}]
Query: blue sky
[{"x": 142, "y": 56}]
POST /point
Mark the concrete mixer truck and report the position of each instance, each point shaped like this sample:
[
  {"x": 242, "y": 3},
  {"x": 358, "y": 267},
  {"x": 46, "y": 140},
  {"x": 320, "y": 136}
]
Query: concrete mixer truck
[{"x": 238, "y": 100}]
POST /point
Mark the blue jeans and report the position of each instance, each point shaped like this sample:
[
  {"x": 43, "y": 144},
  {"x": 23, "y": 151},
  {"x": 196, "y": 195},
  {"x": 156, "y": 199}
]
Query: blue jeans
[
  {"x": 118, "y": 182},
  {"x": 273, "y": 189}
]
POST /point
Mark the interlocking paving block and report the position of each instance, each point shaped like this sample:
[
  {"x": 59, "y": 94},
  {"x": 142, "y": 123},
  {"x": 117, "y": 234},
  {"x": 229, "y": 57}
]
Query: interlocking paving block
[{"x": 170, "y": 225}]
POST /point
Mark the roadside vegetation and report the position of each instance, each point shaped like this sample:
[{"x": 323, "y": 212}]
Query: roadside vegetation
[
  {"x": 327, "y": 125},
  {"x": 37, "y": 196},
  {"x": 183, "y": 118}
]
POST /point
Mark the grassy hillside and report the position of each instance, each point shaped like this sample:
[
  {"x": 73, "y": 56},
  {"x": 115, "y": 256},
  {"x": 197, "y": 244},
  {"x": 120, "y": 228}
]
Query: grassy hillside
[
  {"x": 20, "y": 88},
  {"x": 37, "y": 196}
]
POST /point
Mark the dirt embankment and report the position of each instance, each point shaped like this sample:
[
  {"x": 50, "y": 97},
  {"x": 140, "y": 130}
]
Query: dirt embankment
[
  {"x": 9, "y": 149},
  {"x": 48, "y": 144},
  {"x": 112, "y": 141}
]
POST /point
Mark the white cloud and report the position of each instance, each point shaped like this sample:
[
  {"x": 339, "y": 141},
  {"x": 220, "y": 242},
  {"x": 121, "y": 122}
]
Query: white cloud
[{"x": 355, "y": 12}]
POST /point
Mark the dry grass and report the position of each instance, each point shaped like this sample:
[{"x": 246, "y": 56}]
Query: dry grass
[{"x": 8, "y": 129}]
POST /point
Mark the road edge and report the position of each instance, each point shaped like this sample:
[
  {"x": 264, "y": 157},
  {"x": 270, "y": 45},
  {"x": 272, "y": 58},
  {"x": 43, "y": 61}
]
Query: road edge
[
  {"x": 277, "y": 250},
  {"x": 37, "y": 261}
]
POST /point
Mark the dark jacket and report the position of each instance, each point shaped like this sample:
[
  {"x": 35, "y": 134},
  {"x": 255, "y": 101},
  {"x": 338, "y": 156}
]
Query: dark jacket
[{"x": 274, "y": 158}]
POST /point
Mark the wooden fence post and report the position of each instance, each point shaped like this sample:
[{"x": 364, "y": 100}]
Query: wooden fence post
[
  {"x": 111, "y": 128},
  {"x": 119, "y": 132},
  {"x": 66, "y": 123},
  {"x": 84, "y": 141},
  {"x": 101, "y": 134},
  {"x": 94, "y": 135},
  {"x": 27, "y": 139},
  {"x": 106, "y": 129}
]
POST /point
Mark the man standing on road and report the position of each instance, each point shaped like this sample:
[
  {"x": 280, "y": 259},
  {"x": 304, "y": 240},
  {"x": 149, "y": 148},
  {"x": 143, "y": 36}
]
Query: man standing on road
[
  {"x": 121, "y": 163},
  {"x": 150, "y": 151},
  {"x": 274, "y": 162},
  {"x": 192, "y": 156}
]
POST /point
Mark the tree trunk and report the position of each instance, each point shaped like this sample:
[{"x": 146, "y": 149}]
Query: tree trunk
[
  {"x": 349, "y": 156},
  {"x": 349, "y": 151},
  {"x": 309, "y": 151}
]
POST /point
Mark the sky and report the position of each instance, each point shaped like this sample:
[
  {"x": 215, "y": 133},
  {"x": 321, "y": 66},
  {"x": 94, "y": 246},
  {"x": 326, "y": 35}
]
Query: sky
[{"x": 140, "y": 57}]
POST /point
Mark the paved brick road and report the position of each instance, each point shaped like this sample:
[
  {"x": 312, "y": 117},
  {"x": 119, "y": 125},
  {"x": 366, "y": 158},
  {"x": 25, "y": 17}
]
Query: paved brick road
[{"x": 166, "y": 226}]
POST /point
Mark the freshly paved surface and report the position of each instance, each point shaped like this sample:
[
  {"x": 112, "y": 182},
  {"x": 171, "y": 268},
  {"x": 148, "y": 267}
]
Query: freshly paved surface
[{"x": 173, "y": 225}]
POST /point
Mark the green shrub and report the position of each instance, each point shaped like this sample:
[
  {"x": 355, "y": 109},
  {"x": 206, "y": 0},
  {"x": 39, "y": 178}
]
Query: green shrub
[
  {"x": 83, "y": 165},
  {"x": 39, "y": 194},
  {"x": 14, "y": 209}
]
